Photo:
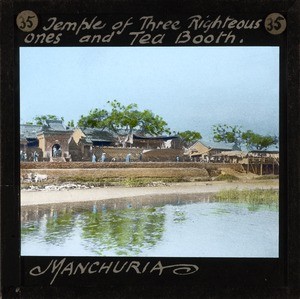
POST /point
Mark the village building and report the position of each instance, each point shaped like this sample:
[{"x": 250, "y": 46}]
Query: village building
[
  {"x": 53, "y": 140},
  {"x": 85, "y": 141},
  {"x": 206, "y": 151},
  {"x": 155, "y": 142},
  {"x": 29, "y": 142},
  {"x": 263, "y": 161},
  {"x": 28, "y": 136},
  {"x": 231, "y": 157}
]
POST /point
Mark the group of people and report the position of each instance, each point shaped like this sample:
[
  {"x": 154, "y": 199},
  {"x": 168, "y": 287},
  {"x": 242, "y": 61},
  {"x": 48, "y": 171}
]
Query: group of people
[
  {"x": 56, "y": 152},
  {"x": 104, "y": 159},
  {"x": 23, "y": 156}
]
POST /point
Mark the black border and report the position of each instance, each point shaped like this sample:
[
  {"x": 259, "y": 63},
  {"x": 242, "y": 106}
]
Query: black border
[{"x": 217, "y": 277}]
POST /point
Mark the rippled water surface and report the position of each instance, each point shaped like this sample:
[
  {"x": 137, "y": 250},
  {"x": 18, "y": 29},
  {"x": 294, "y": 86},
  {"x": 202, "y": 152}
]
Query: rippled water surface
[{"x": 201, "y": 229}]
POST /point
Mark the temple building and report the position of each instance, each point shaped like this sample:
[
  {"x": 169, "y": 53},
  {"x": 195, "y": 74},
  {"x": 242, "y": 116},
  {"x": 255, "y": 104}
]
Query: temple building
[{"x": 55, "y": 142}]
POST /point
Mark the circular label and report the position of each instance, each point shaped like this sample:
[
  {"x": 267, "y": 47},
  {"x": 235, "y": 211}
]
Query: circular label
[
  {"x": 275, "y": 23},
  {"x": 27, "y": 20}
]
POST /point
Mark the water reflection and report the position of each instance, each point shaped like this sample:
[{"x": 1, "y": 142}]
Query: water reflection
[
  {"x": 204, "y": 229},
  {"x": 126, "y": 231}
]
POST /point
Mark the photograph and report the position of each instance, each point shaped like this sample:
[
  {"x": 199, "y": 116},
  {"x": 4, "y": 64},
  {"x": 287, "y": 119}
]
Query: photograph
[{"x": 150, "y": 151}]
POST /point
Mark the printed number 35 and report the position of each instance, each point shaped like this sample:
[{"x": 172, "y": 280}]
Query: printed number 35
[
  {"x": 26, "y": 23},
  {"x": 274, "y": 24}
]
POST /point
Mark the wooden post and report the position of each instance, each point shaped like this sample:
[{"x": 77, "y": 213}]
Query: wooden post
[{"x": 261, "y": 167}]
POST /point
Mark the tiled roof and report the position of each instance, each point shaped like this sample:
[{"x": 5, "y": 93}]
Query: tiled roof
[
  {"x": 149, "y": 137},
  {"x": 54, "y": 125},
  {"x": 29, "y": 131},
  {"x": 218, "y": 145},
  {"x": 93, "y": 134}
]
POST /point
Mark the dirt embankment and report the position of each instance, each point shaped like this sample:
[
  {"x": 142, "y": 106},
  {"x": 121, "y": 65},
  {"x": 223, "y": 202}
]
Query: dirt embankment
[
  {"x": 123, "y": 165},
  {"x": 143, "y": 181},
  {"x": 119, "y": 173},
  {"x": 93, "y": 172}
]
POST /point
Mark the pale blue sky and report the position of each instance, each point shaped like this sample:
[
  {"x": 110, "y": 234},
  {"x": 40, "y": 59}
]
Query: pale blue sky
[{"x": 192, "y": 88}]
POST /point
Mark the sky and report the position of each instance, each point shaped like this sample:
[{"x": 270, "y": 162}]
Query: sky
[{"x": 192, "y": 88}]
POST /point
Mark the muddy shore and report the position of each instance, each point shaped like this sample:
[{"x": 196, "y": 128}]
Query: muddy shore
[{"x": 29, "y": 198}]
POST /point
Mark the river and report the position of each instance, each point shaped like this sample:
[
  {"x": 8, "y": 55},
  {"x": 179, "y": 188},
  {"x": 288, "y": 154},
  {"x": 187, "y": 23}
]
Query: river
[{"x": 183, "y": 228}]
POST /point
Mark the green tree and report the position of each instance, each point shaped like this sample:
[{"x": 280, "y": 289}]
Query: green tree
[
  {"x": 189, "y": 137},
  {"x": 124, "y": 118},
  {"x": 152, "y": 124},
  {"x": 129, "y": 117},
  {"x": 40, "y": 119},
  {"x": 71, "y": 123},
  {"x": 257, "y": 141},
  {"x": 97, "y": 118},
  {"x": 228, "y": 134},
  {"x": 235, "y": 135}
]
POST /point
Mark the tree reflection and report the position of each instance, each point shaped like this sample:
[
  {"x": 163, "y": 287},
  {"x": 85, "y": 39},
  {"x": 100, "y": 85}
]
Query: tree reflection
[
  {"x": 60, "y": 224},
  {"x": 30, "y": 229},
  {"x": 124, "y": 231}
]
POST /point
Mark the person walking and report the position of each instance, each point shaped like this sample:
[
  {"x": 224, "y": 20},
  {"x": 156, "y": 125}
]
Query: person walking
[
  {"x": 35, "y": 156},
  {"x": 127, "y": 159}
]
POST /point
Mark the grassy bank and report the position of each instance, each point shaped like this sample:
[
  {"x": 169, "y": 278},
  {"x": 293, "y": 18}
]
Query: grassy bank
[
  {"x": 255, "y": 196},
  {"x": 268, "y": 177},
  {"x": 123, "y": 182}
]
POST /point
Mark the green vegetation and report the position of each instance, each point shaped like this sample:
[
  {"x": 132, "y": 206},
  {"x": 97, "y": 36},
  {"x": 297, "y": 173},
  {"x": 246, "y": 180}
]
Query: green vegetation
[
  {"x": 124, "y": 182},
  {"x": 228, "y": 134},
  {"x": 189, "y": 137},
  {"x": 268, "y": 177},
  {"x": 235, "y": 135},
  {"x": 124, "y": 230},
  {"x": 125, "y": 118},
  {"x": 255, "y": 196},
  {"x": 40, "y": 119},
  {"x": 90, "y": 181},
  {"x": 254, "y": 141},
  {"x": 226, "y": 177}
]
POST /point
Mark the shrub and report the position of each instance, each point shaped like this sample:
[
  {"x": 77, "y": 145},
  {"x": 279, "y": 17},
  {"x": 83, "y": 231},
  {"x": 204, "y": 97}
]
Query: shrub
[{"x": 256, "y": 196}]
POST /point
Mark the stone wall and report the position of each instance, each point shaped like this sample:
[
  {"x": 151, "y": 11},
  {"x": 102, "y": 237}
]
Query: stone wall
[
  {"x": 165, "y": 155},
  {"x": 118, "y": 154},
  {"x": 75, "y": 151}
]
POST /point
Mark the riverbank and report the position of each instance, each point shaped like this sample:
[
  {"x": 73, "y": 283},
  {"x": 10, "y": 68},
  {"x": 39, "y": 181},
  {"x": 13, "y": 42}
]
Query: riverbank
[{"x": 29, "y": 198}]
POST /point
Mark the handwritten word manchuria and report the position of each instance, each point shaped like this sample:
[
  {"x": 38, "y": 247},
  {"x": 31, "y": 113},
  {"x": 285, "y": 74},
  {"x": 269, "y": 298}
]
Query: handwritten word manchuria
[
  {"x": 62, "y": 267},
  {"x": 145, "y": 30}
]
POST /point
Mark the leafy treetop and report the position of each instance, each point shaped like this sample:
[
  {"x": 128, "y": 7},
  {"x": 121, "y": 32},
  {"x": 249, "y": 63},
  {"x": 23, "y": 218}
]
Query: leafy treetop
[
  {"x": 235, "y": 135},
  {"x": 126, "y": 118},
  {"x": 189, "y": 137},
  {"x": 40, "y": 119}
]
